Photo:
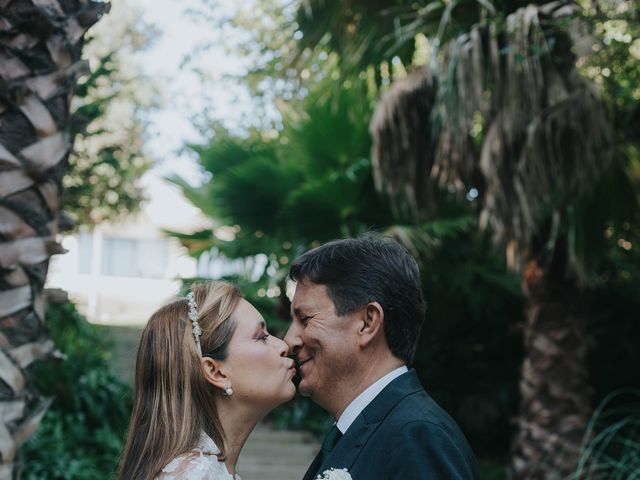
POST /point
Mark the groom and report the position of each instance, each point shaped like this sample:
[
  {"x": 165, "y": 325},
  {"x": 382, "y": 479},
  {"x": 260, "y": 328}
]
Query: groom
[{"x": 356, "y": 318}]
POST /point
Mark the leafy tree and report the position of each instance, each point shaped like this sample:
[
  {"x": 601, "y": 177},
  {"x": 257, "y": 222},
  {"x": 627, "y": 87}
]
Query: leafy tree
[
  {"x": 40, "y": 63},
  {"x": 102, "y": 180},
  {"x": 268, "y": 186}
]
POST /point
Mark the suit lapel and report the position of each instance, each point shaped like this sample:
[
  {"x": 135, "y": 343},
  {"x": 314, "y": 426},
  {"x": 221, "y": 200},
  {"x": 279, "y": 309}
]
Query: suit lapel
[
  {"x": 314, "y": 468},
  {"x": 350, "y": 445}
]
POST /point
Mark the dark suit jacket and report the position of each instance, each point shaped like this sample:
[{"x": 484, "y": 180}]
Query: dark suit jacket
[{"x": 401, "y": 434}]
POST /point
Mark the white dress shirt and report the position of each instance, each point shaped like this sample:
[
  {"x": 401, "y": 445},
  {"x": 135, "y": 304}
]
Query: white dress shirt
[{"x": 365, "y": 398}]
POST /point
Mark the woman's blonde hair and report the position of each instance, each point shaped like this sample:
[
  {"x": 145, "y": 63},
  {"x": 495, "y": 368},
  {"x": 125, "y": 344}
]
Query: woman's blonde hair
[{"x": 173, "y": 403}]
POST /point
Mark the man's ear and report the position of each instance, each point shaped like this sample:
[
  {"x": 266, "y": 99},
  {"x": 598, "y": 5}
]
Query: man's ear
[
  {"x": 372, "y": 323},
  {"x": 214, "y": 373}
]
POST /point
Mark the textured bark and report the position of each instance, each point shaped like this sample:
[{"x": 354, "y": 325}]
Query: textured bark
[
  {"x": 40, "y": 48},
  {"x": 554, "y": 390}
]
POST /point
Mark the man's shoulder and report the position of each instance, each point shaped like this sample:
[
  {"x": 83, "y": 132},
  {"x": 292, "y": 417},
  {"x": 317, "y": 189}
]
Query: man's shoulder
[
  {"x": 430, "y": 443},
  {"x": 404, "y": 401},
  {"x": 419, "y": 410}
]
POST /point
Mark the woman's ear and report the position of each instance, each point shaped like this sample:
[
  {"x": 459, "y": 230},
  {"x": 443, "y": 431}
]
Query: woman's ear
[
  {"x": 372, "y": 323},
  {"x": 214, "y": 373}
]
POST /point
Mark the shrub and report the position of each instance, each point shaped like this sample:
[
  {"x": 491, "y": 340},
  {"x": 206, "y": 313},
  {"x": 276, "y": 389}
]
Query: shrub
[
  {"x": 611, "y": 449},
  {"x": 81, "y": 435}
]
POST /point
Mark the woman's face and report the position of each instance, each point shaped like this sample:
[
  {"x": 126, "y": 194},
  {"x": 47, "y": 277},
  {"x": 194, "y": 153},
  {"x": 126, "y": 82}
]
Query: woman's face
[{"x": 257, "y": 365}]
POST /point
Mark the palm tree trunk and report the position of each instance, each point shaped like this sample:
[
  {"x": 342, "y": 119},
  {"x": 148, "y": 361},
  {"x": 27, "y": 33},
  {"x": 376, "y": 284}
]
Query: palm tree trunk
[
  {"x": 40, "y": 47},
  {"x": 555, "y": 394}
]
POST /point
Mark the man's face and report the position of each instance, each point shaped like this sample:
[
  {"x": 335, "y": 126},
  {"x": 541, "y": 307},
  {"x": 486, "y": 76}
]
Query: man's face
[{"x": 323, "y": 343}]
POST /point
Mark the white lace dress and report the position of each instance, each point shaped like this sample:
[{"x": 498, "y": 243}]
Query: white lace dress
[{"x": 200, "y": 464}]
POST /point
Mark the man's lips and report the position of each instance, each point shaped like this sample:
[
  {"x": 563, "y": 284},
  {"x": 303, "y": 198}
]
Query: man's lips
[{"x": 302, "y": 362}]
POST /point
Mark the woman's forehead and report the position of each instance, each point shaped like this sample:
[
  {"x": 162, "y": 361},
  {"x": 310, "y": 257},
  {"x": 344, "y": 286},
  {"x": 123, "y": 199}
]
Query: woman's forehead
[{"x": 247, "y": 317}]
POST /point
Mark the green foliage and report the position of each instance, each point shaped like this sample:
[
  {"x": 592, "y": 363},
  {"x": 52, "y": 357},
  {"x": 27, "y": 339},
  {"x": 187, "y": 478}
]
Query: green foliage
[
  {"x": 614, "y": 359},
  {"x": 81, "y": 435},
  {"x": 469, "y": 352},
  {"x": 309, "y": 184},
  {"x": 102, "y": 178},
  {"x": 279, "y": 195},
  {"x": 613, "y": 61},
  {"x": 301, "y": 414},
  {"x": 611, "y": 449},
  {"x": 382, "y": 33},
  {"x": 279, "y": 192}
]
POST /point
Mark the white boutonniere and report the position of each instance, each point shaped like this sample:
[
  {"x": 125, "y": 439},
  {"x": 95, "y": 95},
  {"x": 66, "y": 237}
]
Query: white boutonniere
[{"x": 335, "y": 474}]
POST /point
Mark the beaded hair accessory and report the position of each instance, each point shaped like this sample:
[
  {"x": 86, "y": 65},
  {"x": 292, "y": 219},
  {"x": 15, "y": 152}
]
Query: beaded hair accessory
[{"x": 193, "y": 316}]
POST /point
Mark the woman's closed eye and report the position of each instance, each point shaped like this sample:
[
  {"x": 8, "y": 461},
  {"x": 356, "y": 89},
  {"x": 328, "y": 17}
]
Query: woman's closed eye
[{"x": 264, "y": 337}]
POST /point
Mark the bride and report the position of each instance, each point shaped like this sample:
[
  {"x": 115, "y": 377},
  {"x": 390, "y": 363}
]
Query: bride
[{"x": 207, "y": 372}]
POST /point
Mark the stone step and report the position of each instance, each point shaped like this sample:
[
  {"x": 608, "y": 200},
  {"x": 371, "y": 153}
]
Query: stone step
[
  {"x": 276, "y": 454},
  {"x": 271, "y": 473}
]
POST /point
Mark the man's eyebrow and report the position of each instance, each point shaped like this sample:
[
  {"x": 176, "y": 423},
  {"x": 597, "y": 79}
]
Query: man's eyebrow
[{"x": 298, "y": 311}]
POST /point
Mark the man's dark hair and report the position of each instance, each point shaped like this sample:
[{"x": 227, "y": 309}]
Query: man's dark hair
[{"x": 371, "y": 268}]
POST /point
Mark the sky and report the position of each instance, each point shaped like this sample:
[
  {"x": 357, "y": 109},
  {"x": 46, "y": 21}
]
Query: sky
[{"x": 183, "y": 96}]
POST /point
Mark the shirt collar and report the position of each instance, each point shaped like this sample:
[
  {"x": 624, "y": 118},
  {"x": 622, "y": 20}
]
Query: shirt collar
[{"x": 359, "y": 403}]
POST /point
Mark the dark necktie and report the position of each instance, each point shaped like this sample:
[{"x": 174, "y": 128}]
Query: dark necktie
[{"x": 333, "y": 435}]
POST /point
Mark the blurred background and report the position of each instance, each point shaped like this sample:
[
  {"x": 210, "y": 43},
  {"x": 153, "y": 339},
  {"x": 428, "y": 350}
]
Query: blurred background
[{"x": 498, "y": 141}]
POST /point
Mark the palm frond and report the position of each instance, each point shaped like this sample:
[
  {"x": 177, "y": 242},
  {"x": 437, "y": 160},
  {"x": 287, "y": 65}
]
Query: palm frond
[
  {"x": 508, "y": 115},
  {"x": 370, "y": 33},
  {"x": 422, "y": 240},
  {"x": 403, "y": 152},
  {"x": 547, "y": 137},
  {"x": 197, "y": 195},
  {"x": 196, "y": 243}
]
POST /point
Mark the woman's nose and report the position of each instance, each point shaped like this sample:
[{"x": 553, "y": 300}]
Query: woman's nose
[{"x": 284, "y": 348}]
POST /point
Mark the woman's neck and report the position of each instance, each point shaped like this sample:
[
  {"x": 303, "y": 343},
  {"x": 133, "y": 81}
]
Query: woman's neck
[{"x": 237, "y": 423}]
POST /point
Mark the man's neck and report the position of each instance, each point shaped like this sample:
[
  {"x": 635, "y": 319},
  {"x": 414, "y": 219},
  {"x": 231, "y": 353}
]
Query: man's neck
[
  {"x": 362, "y": 401},
  {"x": 371, "y": 372}
]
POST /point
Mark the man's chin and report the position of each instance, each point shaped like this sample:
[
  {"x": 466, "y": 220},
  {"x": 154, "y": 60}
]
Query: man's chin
[{"x": 304, "y": 390}]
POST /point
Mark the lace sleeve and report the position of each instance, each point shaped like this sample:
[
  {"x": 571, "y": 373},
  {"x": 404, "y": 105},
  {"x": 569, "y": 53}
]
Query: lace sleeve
[{"x": 195, "y": 467}]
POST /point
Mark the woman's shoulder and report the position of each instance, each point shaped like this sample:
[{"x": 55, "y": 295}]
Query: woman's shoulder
[
  {"x": 201, "y": 463},
  {"x": 190, "y": 467}
]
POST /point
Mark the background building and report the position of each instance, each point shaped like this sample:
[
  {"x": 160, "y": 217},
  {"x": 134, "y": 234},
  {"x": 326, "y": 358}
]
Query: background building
[{"x": 119, "y": 273}]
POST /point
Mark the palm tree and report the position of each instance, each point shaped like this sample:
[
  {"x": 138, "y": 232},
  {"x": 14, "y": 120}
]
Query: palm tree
[
  {"x": 501, "y": 114},
  {"x": 543, "y": 148},
  {"x": 40, "y": 49}
]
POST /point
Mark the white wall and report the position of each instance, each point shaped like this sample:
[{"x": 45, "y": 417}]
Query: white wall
[{"x": 120, "y": 273}]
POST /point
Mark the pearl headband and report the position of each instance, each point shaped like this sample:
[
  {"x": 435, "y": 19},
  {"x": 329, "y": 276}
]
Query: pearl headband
[{"x": 193, "y": 316}]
